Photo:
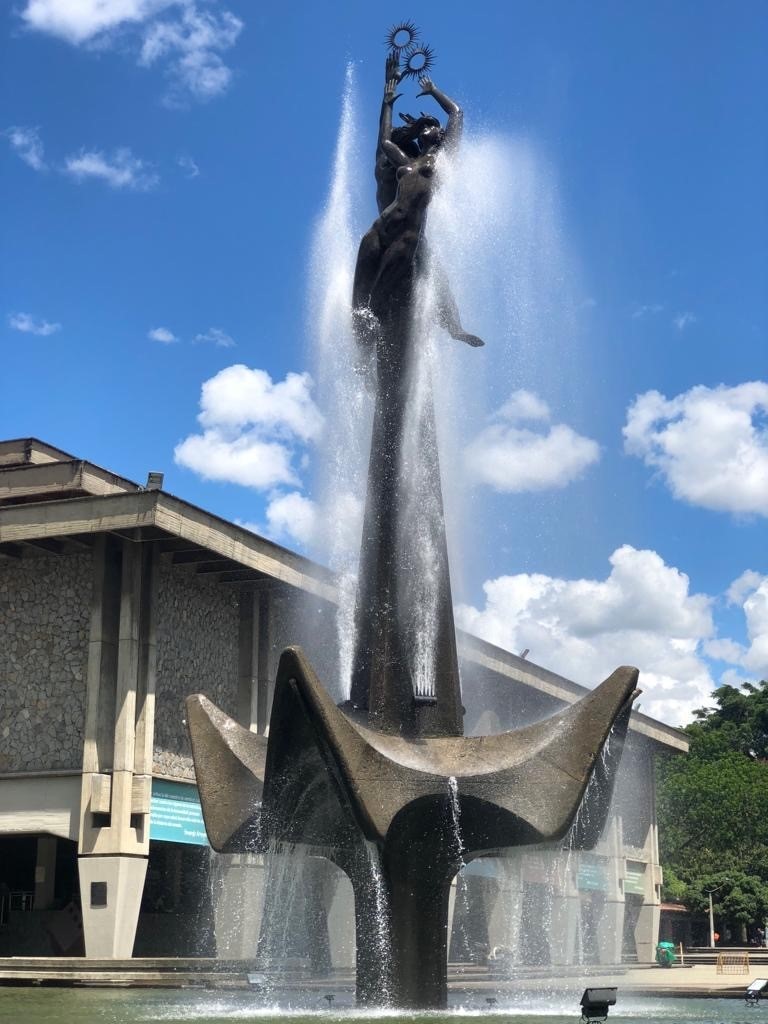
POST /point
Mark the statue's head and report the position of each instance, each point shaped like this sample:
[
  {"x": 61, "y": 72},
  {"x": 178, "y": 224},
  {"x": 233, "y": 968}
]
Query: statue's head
[
  {"x": 417, "y": 133},
  {"x": 430, "y": 133}
]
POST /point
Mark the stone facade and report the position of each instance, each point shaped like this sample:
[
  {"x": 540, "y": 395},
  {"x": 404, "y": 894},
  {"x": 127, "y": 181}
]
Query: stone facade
[
  {"x": 197, "y": 649},
  {"x": 44, "y": 625}
]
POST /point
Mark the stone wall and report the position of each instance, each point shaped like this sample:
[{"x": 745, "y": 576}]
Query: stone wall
[
  {"x": 197, "y": 634},
  {"x": 44, "y": 625}
]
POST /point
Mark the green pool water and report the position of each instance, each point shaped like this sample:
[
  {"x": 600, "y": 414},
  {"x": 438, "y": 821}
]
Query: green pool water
[{"x": 155, "y": 1006}]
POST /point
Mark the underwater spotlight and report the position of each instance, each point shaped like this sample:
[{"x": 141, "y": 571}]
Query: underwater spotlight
[
  {"x": 595, "y": 1003},
  {"x": 755, "y": 990},
  {"x": 402, "y": 35},
  {"x": 418, "y": 60}
]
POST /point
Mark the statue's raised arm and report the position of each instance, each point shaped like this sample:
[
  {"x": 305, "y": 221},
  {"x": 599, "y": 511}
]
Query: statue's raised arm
[{"x": 455, "y": 124}]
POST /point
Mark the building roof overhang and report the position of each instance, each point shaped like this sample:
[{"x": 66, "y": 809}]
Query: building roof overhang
[{"x": 50, "y": 501}]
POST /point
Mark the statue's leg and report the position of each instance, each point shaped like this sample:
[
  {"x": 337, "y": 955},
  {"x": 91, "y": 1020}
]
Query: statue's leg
[
  {"x": 366, "y": 268},
  {"x": 364, "y": 321}
]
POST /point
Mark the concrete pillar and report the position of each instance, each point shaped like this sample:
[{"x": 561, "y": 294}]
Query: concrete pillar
[
  {"x": 647, "y": 932},
  {"x": 506, "y": 909},
  {"x": 451, "y": 909},
  {"x": 264, "y": 674},
  {"x": 110, "y": 892},
  {"x": 238, "y": 882},
  {"x": 564, "y": 925},
  {"x": 610, "y": 929},
  {"x": 117, "y": 752},
  {"x": 45, "y": 872},
  {"x": 248, "y": 657},
  {"x": 341, "y": 921}
]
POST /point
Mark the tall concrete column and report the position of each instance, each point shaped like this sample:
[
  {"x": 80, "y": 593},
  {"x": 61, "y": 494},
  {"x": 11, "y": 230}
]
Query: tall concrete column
[
  {"x": 565, "y": 918},
  {"x": 610, "y": 929},
  {"x": 248, "y": 660},
  {"x": 238, "y": 884},
  {"x": 264, "y": 673},
  {"x": 647, "y": 932},
  {"x": 117, "y": 753},
  {"x": 341, "y": 920},
  {"x": 45, "y": 872},
  {"x": 505, "y": 913}
]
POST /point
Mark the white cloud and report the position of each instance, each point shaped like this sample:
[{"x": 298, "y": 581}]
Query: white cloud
[
  {"x": 189, "y": 166},
  {"x": 79, "y": 21},
  {"x": 188, "y": 38},
  {"x": 194, "y": 41},
  {"x": 648, "y": 310},
  {"x": 216, "y": 336},
  {"x": 121, "y": 170},
  {"x": 710, "y": 445},
  {"x": 743, "y": 586},
  {"x": 239, "y": 396},
  {"x": 750, "y": 590},
  {"x": 643, "y": 614},
  {"x": 163, "y": 335},
  {"x": 244, "y": 459},
  {"x": 254, "y": 429},
  {"x": 27, "y": 145},
  {"x": 511, "y": 458},
  {"x": 683, "y": 320},
  {"x": 292, "y": 517},
  {"x": 28, "y": 324}
]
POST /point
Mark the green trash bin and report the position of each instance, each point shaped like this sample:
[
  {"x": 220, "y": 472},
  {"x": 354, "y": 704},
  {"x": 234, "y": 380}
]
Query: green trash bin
[{"x": 665, "y": 954}]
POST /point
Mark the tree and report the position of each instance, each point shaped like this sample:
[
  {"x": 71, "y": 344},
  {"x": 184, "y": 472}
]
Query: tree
[{"x": 713, "y": 808}]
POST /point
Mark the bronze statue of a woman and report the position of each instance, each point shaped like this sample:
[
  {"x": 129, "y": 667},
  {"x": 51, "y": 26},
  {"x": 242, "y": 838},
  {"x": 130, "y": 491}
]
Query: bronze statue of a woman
[
  {"x": 389, "y": 681},
  {"x": 392, "y": 252}
]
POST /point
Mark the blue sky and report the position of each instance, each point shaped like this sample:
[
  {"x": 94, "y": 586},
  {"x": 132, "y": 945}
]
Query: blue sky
[{"x": 165, "y": 163}]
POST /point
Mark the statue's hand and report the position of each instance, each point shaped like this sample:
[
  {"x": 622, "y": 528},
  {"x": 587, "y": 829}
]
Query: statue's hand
[
  {"x": 390, "y": 91},
  {"x": 427, "y": 86},
  {"x": 392, "y": 67}
]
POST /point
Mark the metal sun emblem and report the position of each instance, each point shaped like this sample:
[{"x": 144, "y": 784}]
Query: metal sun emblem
[
  {"x": 405, "y": 29},
  {"x": 418, "y": 60}
]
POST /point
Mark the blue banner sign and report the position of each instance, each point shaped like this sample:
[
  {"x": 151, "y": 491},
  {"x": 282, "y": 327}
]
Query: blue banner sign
[{"x": 176, "y": 816}]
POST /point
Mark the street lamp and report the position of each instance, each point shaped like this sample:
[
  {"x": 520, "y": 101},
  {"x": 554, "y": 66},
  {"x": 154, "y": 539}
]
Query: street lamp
[{"x": 711, "y": 914}]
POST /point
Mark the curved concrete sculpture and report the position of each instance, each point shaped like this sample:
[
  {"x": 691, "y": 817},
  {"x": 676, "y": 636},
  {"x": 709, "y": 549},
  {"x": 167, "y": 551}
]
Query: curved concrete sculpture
[
  {"x": 429, "y": 805},
  {"x": 230, "y": 764}
]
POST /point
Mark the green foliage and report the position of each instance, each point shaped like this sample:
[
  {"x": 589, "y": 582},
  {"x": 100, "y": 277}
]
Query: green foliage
[
  {"x": 713, "y": 808},
  {"x": 740, "y": 721}
]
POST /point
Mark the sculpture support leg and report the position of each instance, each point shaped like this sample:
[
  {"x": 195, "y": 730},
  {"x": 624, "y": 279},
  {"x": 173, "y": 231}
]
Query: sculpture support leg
[
  {"x": 419, "y": 910},
  {"x": 401, "y": 927}
]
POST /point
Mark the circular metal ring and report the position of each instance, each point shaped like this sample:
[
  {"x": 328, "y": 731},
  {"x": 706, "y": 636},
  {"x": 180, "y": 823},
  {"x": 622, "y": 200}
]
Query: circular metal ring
[
  {"x": 418, "y": 52},
  {"x": 410, "y": 30}
]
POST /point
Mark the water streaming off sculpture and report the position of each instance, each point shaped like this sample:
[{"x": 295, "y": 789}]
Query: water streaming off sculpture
[{"x": 385, "y": 785}]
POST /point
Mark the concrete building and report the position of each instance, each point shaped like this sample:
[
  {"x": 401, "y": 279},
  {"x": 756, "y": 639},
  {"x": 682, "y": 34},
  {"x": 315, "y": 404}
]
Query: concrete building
[{"x": 116, "y": 601}]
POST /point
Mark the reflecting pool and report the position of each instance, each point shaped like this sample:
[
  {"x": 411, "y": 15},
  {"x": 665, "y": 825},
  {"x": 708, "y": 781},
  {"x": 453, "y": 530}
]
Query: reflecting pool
[{"x": 147, "y": 1006}]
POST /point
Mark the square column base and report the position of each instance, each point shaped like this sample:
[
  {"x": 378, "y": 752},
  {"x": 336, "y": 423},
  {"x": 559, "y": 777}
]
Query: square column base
[{"x": 111, "y": 889}]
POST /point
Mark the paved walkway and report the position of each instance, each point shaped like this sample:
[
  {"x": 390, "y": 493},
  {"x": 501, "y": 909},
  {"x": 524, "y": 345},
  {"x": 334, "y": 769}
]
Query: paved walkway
[{"x": 649, "y": 980}]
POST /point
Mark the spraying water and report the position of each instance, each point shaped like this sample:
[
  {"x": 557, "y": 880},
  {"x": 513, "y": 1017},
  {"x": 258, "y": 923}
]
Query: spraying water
[
  {"x": 346, "y": 405},
  {"x": 493, "y": 229}
]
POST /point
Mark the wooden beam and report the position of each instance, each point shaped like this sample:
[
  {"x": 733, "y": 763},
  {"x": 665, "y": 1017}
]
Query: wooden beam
[
  {"x": 216, "y": 565},
  {"x": 195, "y": 555},
  {"x": 240, "y": 576},
  {"x": 241, "y": 546},
  {"x": 84, "y": 541},
  {"x": 77, "y": 516},
  {"x": 53, "y": 547}
]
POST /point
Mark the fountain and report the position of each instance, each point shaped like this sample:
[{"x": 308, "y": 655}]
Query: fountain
[{"x": 385, "y": 785}]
